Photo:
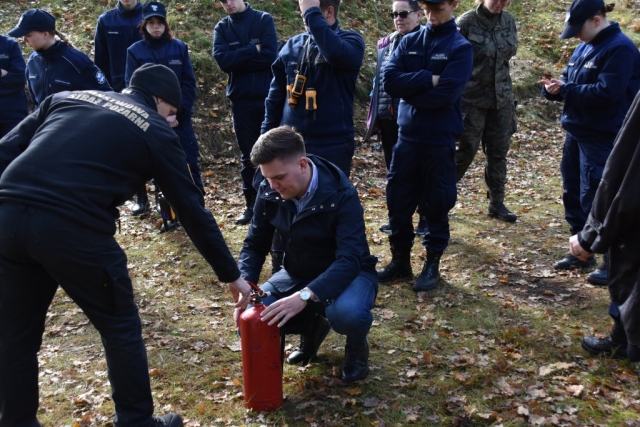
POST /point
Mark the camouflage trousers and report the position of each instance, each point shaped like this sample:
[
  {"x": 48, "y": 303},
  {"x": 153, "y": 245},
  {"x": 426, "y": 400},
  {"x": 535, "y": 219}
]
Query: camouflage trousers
[{"x": 493, "y": 128}]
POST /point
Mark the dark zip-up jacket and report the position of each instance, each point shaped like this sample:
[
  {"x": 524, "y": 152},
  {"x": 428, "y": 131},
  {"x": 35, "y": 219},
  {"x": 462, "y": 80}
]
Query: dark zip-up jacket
[
  {"x": 325, "y": 243},
  {"x": 117, "y": 29},
  {"x": 601, "y": 80},
  {"x": 495, "y": 41},
  {"x": 335, "y": 60},
  {"x": 13, "y": 100},
  {"x": 83, "y": 154},
  {"x": 172, "y": 53},
  {"x": 234, "y": 48},
  {"x": 613, "y": 220},
  {"x": 382, "y": 105},
  {"x": 61, "y": 68},
  {"x": 430, "y": 114}
]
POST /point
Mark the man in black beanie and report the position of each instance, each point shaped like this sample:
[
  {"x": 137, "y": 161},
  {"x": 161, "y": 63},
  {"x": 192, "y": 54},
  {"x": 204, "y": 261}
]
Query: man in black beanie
[{"x": 91, "y": 150}]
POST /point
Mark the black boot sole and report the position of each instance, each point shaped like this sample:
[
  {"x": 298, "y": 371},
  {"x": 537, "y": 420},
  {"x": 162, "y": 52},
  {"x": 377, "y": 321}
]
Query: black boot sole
[
  {"x": 395, "y": 278},
  {"x": 595, "y": 280},
  {"x": 424, "y": 289},
  {"x": 617, "y": 355},
  {"x": 502, "y": 218},
  {"x": 305, "y": 359}
]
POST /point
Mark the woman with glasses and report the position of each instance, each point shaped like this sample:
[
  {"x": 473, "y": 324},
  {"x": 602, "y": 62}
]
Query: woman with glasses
[
  {"x": 158, "y": 46},
  {"x": 383, "y": 108},
  {"x": 487, "y": 101}
]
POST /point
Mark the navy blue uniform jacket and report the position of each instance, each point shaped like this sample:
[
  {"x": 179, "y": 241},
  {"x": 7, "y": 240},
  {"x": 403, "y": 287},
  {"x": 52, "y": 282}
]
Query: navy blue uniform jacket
[
  {"x": 335, "y": 56},
  {"x": 325, "y": 243},
  {"x": 234, "y": 48},
  {"x": 117, "y": 29},
  {"x": 430, "y": 114},
  {"x": 172, "y": 53},
  {"x": 82, "y": 154},
  {"x": 62, "y": 68},
  {"x": 601, "y": 80},
  {"x": 13, "y": 101}
]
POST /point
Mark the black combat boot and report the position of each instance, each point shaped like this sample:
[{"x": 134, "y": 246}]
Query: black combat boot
[
  {"x": 614, "y": 346},
  {"x": 570, "y": 262},
  {"x": 169, "y": 420},
  {"x": 141, "y": 205},
  {"x": 398, "y": 268},
  {"x": 356, "y": 363},
  {"x": 600, "y": 276},
  {"x": 500, "y": 211},
  {"x": 250, "y": 199},
  {"x": 430, "y": 275},
  {"x": 497, "y": 209},
  {"x": 422, "y": 229},
  {"x": 310, "y": 342}
]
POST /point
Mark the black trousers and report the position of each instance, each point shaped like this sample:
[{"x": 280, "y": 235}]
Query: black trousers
[
  {"x": 39, "y": 251},
  {"x": 247, "y": 119},
  {"x": 624, "y": 287},
  {"x": 421, "y": 172}
]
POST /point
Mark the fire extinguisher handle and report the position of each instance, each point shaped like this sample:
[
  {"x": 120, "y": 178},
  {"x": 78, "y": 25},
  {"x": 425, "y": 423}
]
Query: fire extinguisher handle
[{"x": 256, "y": 289}]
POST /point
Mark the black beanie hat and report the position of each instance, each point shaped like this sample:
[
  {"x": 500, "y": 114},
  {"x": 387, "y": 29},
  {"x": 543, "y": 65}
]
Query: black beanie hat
[{"x": 157, "y": 80}]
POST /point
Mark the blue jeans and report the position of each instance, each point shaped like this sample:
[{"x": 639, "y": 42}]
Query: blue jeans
[
  {"x": 38, "y": 252},
  {"x": 349, "y": 314}
]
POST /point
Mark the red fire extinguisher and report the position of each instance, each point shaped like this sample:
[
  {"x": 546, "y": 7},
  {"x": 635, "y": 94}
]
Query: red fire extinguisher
[{"x": 261, "y": 357}]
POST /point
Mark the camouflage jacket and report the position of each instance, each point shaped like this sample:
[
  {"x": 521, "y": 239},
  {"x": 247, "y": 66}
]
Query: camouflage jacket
[{"x": 493, "y": 45}]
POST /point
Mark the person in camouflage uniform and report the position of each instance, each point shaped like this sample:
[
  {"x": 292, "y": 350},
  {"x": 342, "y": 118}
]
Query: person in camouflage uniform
[{"x": 487, "y": 101}]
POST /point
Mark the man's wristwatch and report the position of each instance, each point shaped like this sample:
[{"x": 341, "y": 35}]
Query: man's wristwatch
[{"x": 305, "y": 294}]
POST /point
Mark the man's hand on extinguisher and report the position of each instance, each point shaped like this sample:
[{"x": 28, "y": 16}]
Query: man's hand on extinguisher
[
  {"x": 241, "y": 292},
  {"x": 283, "y": 310}
]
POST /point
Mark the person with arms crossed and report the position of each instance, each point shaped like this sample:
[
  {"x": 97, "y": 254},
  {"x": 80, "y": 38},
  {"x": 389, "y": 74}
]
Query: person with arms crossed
[
  {"x": 245, "y": 45},
  {"x": 116, "y": 30},
  {"x": 429, "y": 71}
]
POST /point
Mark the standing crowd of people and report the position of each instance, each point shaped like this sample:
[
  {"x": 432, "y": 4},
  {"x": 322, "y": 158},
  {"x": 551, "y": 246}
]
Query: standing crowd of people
[{"x": 441, "y": 90}]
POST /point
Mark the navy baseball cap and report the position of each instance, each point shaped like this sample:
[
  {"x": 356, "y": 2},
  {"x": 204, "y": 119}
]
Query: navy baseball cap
[
  {"x": 579, "y": 12},
  {"x": 34, "y": 20},
  {"x": 153, "y": 8}
]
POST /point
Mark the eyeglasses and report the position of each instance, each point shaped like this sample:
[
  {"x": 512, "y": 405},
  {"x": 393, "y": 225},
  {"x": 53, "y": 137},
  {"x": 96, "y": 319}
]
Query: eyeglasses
[{"x": 402, "y": 14}]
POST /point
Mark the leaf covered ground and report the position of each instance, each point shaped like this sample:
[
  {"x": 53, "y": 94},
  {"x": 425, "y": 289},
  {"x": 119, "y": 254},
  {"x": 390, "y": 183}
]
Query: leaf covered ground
[{"x": 497, "y": 344}]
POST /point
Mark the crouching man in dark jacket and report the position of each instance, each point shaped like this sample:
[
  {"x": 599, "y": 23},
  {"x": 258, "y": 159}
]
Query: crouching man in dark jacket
[
  {"x": 613, "y": 225},
  {"x": 327, "y": 265},
  {"x": 64, "y": 170}
]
